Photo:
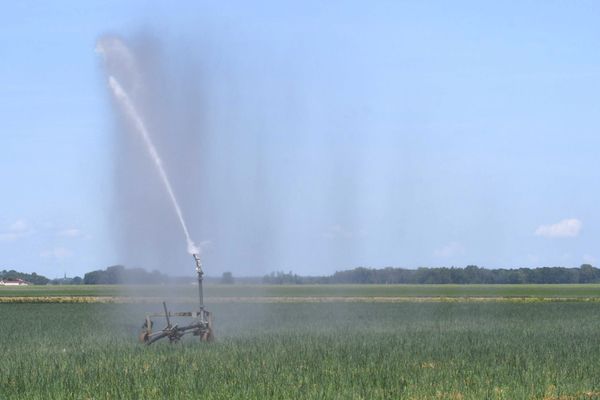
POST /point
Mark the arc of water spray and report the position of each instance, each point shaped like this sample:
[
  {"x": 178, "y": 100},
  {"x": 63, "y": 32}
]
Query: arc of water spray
[{"x": 133, "y": 115}]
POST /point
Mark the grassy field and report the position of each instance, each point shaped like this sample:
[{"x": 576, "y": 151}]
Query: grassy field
[
  {"x": 477, "y": 350},
  {"x": 587, "y": 291}
]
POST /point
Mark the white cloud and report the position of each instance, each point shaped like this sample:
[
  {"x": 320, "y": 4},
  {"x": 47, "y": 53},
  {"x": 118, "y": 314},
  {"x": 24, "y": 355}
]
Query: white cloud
[
  {"x": 19, "y": 226},
  {"x": 70, "y": 232},
  {"x": 565, "y": 228},
  {"x": 16, "y": 230},
  {"x": 58, "y": 253},
  {"x": 449, "y": 250}
]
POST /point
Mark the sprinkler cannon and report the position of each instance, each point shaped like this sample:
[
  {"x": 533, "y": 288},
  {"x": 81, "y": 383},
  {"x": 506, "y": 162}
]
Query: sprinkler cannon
[{"x": 200, "y": 324}]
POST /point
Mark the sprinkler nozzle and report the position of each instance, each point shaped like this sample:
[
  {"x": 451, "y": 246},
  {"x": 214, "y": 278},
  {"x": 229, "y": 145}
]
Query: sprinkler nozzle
[{"x": 198, "y": 263}]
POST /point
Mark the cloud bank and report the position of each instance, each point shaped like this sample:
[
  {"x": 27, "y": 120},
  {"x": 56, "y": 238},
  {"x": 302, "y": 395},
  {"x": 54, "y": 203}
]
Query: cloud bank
[{"x": 566, "y": 228}]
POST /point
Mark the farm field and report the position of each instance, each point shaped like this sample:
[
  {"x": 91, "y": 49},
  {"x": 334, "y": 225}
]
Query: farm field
[
  {"x": 411, "y": 350},
  {"x": 184, "y": 292}
]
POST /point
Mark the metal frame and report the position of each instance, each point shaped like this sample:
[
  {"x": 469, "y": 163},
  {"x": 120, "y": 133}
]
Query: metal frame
[{"x": 201, "y": 324}]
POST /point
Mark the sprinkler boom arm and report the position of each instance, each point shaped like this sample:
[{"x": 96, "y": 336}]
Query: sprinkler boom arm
[{"x": 200, "y": 273}]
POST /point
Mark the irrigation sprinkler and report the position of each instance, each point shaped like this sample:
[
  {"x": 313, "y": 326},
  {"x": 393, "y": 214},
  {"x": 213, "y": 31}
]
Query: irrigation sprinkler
[
  {"x": 121, "y": 64},
  {"x": 200, "y": 324}
]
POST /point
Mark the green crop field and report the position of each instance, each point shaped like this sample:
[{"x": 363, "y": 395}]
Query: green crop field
[
  {"x": 587, "y": 291},
  {"x": 331, "y": 350}
]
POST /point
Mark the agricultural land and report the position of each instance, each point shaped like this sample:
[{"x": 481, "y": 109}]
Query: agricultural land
[{"x": 306, "y": 342}]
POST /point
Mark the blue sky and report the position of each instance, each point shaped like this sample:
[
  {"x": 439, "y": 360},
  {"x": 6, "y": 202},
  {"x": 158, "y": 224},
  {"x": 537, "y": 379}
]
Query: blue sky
[{"x": 340, "y": 134}]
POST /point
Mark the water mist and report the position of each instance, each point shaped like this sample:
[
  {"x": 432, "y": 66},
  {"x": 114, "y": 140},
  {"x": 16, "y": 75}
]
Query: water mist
[
  {"x": 118, "y": 56},
  {"x": 131, "y": 112}
]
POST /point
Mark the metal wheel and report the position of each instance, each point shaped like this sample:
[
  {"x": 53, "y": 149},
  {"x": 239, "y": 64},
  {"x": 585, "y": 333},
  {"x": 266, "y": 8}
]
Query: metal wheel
[
  {"x": 144, "y": 336},
  {"x": 207, "y": 335}
]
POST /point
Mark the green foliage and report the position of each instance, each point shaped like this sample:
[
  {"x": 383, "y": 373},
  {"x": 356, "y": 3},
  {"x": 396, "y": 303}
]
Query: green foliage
[
  {"x": 468, "y": 275},
  {"x": 307, "y": 351},
  {"x": 283, "y": 278},
  {"x": 67, "y": 281},
  {"x": 118, "y": 274},
  {"x": 227, "y": 278},
  {"x": 31, "y": 278}
]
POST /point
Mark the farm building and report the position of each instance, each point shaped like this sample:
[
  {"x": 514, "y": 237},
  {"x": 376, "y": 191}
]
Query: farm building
[{"x": 13, "y": 282}]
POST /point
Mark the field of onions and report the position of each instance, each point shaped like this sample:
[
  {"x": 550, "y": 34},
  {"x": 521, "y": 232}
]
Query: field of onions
[{"x": 433, "y": 350}]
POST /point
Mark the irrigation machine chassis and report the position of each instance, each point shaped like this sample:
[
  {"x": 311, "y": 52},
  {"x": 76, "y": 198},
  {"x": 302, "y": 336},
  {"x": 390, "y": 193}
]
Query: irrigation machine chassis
[{"x": 200, "y": 325}]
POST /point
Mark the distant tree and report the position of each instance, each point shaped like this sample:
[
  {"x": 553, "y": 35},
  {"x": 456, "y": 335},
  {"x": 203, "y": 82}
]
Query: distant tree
[
  {"x": 282, "y": 278},
  {"x": 468, "y": 275},
  {"x": 93, "y": 277},
  {"x": 227, "y": 278},
  {"x": 588, "y": 274},
  {"x": 118, "y": 274},
  {"x": 31, "y": 278}
]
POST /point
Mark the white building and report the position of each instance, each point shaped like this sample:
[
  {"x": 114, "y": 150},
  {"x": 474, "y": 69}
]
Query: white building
[{"x": 13, "y": 282}]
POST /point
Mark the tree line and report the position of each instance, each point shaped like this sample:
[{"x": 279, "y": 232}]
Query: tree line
[
  {"x": 31, "y": 278},
  {"x": 118, "y": 274},
  {"x": 471, "y": 274}
]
